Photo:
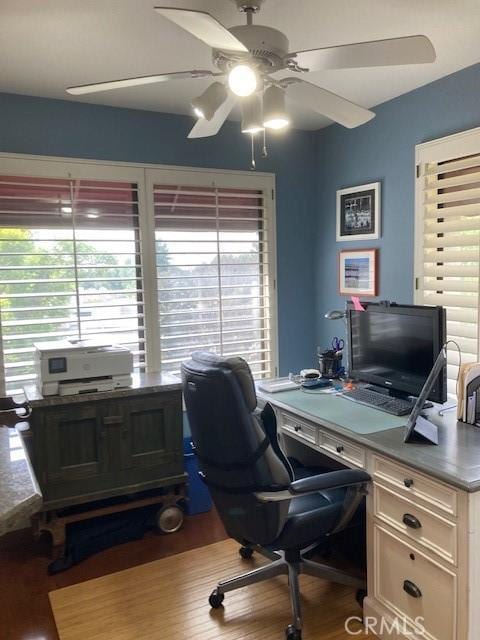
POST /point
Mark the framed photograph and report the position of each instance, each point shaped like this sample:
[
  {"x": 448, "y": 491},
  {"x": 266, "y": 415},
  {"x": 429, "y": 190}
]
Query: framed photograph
[
  {"x": 358, "y": 212},
  {"x": 358, "y": 272}
]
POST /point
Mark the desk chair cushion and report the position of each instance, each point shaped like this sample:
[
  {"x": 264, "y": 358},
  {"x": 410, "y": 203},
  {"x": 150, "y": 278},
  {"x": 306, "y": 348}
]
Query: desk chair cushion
[{"x": 310, "y": 518}]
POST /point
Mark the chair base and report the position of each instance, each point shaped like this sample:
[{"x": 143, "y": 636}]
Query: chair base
[{"x": 291, "y": 564}]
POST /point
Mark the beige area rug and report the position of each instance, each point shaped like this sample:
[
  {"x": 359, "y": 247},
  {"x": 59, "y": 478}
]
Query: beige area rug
[{"x": 168, "y": 600}]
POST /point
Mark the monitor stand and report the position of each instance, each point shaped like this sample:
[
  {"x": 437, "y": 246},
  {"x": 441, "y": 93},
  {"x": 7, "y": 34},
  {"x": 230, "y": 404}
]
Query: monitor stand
[{"x": 386, "y": 392}]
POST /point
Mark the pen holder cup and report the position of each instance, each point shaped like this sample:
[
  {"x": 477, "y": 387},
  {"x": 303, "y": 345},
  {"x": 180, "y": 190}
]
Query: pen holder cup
[{"x": 330, "y": 364}]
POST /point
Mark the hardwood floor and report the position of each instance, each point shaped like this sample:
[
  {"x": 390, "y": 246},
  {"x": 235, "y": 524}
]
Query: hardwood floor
[{"x": 25, "y": 612}]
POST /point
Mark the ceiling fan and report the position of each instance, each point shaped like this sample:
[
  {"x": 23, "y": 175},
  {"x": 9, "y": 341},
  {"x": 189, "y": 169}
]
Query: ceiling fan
[{"x": 250, "y": 56}]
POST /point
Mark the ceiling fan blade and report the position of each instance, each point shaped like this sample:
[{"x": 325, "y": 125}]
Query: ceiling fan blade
[
  {"x": 328, "y": 104},
  {"x": 135, "y": 82},
  {"x": 377, "y": 53},
  {"x": 205, "y": 128},
  {"x": 204, "y": 27}
]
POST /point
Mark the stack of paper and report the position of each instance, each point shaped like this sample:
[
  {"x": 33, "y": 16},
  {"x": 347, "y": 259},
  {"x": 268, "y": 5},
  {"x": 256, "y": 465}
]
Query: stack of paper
[{"x": 466, "y": 403}]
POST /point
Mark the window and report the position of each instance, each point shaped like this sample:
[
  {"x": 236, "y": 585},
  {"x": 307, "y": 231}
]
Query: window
[
  {"x": 213, "y": 274},
  {"x": 161, "y": 260},
  {"x": 70, "y": 267},
  {"x": 448, "y": 239}
]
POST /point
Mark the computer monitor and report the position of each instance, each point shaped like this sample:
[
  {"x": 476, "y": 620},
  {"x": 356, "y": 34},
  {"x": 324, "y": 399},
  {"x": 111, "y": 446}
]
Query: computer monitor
[{"x": 395, "y": 346}]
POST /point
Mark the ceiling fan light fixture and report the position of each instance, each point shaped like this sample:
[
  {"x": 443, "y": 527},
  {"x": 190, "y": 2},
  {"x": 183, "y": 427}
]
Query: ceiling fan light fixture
[
  {"x": 276, "y": 123},
  {"x": 252, "y": 117},
  {"x": 275, "y": 115},
  {"x": 242, "y": 80},
  {"x": 211, "y": 99}
]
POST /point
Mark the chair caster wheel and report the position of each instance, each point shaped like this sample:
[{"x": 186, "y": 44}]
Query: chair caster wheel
[
  {"x": 245, "y": 552},
  {"x": 216, "y": 598},
  {"x": 360, "y": 596},
  {"x": 292, "y": 633}
]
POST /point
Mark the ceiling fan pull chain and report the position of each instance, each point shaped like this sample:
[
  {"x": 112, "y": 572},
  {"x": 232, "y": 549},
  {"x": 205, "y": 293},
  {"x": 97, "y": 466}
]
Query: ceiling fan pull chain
[
  {"x": 253, "y": 165},
  {"x": 264, "y": 148}
]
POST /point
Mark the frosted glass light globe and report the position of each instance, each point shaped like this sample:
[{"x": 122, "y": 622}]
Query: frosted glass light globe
[
  {"x": 242, "y": 80},
  {"x": 276, "y": 123}
]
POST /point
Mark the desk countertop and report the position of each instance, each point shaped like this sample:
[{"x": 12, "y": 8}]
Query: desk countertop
[
  {"x": 20, "y": 496},
  {"x": 456, "y": 459},
  {"x": 142, "y": 383}
]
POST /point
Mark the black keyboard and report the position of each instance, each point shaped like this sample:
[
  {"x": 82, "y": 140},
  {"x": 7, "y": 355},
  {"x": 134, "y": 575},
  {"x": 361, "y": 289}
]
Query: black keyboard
[{"x": 395, "y": 406}]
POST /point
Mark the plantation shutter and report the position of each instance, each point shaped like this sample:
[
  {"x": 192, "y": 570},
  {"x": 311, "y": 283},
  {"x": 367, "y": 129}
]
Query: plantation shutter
[
  {"x": 70, "y": 267},
  {"x": 448, "y": 244},
  {"x": 214, "y": 274}
]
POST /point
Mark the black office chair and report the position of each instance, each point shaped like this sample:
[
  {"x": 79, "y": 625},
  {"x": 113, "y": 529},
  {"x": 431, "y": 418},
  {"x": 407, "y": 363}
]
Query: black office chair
[{"x": 252, "y": 484}]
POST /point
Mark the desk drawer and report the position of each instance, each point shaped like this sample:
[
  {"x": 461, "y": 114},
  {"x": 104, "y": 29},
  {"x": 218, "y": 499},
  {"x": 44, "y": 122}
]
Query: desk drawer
[
  {"x": 420, "y": 525},
  {"x": 414, "y": 587},
  {"x": 342, "y": 449},
  {"x": 300, "y": 428},
  {"x": 415, "y": 486}
]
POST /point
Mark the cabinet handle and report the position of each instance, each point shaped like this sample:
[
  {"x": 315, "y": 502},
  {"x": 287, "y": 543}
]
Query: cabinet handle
[
  {"x": 109, "y": 420},
  {"x": 411, "y": 521},
  {"x": 412, "y": 589},
  {"x": 297, "y": 428},
  {"x": 340, "y": 448},
  {"x": 408, "y": 482}
]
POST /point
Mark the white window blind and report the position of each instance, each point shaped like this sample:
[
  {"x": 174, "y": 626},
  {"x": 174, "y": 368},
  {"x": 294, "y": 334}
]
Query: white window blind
[
  {"x": 214, "y": 274},
  {"x": 70, "y": 267},
  {"x": 448, "y": 242}
]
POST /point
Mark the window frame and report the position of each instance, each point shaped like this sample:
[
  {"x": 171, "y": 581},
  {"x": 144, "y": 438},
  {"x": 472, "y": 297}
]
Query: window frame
[
  {"x": 145, "y": 175},
  {"x": 443, "y": 149}
]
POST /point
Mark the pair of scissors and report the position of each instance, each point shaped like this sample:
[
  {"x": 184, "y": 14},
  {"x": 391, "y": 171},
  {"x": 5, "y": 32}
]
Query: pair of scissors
[{"x": 338, "y": 344}]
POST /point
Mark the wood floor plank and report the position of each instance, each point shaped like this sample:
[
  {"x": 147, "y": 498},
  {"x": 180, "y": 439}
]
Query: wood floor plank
[{"x": 168, "y": 599}]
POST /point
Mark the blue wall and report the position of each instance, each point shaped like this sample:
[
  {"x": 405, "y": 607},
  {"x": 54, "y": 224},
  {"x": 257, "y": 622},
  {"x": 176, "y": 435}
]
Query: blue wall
[
  {"x": 62, "y": 128},
  {"x": 384, "y": 150}
]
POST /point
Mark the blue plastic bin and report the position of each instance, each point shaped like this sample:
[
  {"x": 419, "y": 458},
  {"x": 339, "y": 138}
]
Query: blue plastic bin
[{"x": 199, "y": 500}]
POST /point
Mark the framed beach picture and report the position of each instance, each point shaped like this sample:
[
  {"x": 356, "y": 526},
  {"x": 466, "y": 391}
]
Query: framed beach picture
[
  {"x": 358, "y": 212},
  {"x": 358, "y": 272}
]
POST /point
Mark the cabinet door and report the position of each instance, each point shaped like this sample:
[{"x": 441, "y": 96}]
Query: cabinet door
[
  {"x": 152, "y": 430},
  {"x": 73, "y": 444}
]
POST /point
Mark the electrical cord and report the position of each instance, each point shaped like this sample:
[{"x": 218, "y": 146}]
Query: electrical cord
[{"x": 441, "y": 412}]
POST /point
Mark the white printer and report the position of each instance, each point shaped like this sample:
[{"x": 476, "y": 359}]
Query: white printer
[{"x": 66, "y": 368}]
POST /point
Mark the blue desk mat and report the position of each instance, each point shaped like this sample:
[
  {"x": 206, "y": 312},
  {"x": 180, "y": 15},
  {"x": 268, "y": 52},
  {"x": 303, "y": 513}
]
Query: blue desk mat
[{"x": 334, "y": 409}]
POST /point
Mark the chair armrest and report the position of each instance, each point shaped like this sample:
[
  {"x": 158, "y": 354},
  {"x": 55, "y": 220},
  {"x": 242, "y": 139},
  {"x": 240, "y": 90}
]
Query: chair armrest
[{"x": 331, "y": 480}]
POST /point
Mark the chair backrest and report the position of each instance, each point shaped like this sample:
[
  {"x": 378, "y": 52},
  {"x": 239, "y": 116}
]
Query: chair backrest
[{"x": 233, "y": 446}]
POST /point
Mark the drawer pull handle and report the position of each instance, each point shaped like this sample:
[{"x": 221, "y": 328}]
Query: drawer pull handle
[
  {"x": 411, "y": 521},
  {"x": 297, "y": 428},
  {"x": 412, "y": 589},
  {"x": 408, "y": 482},
  {"x": 340, "y": 448}
]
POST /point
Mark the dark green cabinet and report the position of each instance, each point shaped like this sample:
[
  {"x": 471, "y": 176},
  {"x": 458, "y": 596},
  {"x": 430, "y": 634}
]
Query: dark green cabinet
[{"x": 90, "y": 450}]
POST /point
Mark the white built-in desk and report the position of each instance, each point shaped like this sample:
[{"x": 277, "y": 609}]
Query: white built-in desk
[{"x": 423, "y": 510}]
